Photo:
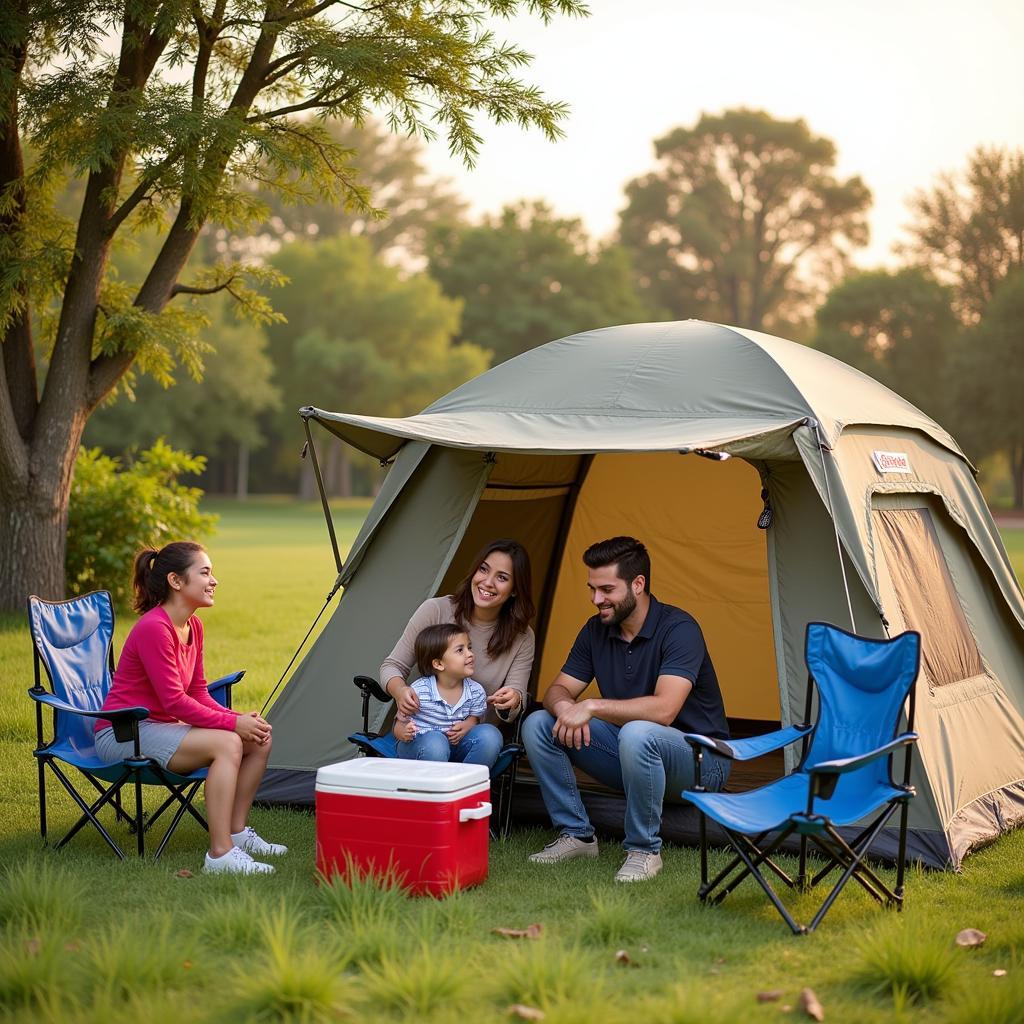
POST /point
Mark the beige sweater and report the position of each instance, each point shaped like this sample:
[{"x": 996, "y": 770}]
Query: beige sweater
[{"x": 509, "y": 669}]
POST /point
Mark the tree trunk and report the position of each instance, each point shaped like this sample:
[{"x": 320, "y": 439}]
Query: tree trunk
[
  {"x": 33, "y": 539},
  {"x": 242, "y": 486},
  {"x": 1017, "y": 472},
  {"x": 307, "y": 480}
]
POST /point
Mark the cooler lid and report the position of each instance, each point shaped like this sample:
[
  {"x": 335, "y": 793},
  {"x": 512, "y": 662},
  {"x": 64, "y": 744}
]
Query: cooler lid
[{"x": 398, "y": 775}]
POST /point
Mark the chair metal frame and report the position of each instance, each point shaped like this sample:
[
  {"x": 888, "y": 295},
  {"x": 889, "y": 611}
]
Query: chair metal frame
[
  {"x": 821, "y": 779},
  {"x": 373, "y": 744},
  {"x": 109, "y": 781}
]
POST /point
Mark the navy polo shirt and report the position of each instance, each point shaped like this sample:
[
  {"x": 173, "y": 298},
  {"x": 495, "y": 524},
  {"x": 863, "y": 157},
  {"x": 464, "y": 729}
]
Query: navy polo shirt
[{"x": 669, "y": 643}]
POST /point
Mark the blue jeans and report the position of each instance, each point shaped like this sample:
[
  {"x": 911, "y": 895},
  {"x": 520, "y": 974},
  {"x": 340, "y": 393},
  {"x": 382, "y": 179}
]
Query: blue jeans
[
  {"x": 641, "y": 759},
  {"x": 481, "y": 745}
]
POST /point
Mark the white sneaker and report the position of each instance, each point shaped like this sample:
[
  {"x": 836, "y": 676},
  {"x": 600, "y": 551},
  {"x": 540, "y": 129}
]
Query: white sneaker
[
  {"x": 638, "y": 866},
  {"x": 565, "y": 847},
  {"x": 236, "y": 862},
  {"x": 250, "y": 841}
]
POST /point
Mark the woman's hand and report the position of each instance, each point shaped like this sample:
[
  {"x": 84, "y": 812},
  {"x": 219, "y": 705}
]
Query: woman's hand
[
  {"x": 404, "y": 730},
  {"x": 252, "y": 728},
  {"x": 407, "y": 701},
  {"x": 507, "y": 698}
]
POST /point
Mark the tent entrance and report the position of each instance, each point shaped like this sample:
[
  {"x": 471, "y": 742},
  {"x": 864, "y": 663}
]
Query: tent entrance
[{"x": 699, "y": 521}]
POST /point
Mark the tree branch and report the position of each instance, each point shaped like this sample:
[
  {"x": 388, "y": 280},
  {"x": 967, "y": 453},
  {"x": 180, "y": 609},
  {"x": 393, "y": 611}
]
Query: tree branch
[{"x": 187, "y": 289}]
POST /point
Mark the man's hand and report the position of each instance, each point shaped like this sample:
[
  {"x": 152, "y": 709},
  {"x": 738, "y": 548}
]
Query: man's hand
[
  {"x": 404, "y": 730},
  {"x": 458, "y": 730},
  {"x": 572, "y": 724}
]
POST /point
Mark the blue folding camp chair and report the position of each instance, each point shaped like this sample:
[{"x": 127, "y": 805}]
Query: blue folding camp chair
[
  {"x": 73, "y": 641},
  {"x": 844, "y": 776},
  {"x": 384, "y": 744}
]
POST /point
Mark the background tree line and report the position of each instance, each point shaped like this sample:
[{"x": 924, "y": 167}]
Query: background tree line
[{"x": 742, "y": 220}]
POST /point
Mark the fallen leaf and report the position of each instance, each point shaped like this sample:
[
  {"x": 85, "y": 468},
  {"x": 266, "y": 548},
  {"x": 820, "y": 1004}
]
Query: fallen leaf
[
  {"x": 73, "y": 946},
  {"x": 623, "y": 958},
  {"x": 33, "y": 945},
  {"x": 531, "y": 931},
  {"x": 769, "y": 997},
  {"x": 810, "y": 1005},
  {"x": 785, "y": 1008},
  {"x": 183, "y": 873},
  {"x": 999, "y": 973},
  {"x": 187, "y": 964},
  {"x": 970, "y": 937},
  {"x": 525, "y": 1012}
]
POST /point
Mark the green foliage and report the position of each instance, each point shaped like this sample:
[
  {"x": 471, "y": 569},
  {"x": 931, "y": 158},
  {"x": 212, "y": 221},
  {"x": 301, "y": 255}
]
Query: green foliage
[
  {"x": 898, "y": 327},
  {"x": 543, "y": 973},
  {"x": 30, "y": 966},
  {"x": 527, "y": 277},
  {"x": 969, "y": 227},
  {"x": 116, "y": 510},
  {"x": 119, "y": 964},
  {"x": 901, "y": 962},
  {"x": 743, "y": 220}
]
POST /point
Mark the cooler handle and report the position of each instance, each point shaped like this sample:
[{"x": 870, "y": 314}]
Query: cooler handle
[{"x": 472, "y": 813}]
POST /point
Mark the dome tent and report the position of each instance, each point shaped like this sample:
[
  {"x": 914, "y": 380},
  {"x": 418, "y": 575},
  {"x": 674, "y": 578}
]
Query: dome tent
[{"x": 876, "y": 524}]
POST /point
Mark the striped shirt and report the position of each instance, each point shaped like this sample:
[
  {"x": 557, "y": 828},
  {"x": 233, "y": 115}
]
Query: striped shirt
[{"x": 437, "y": 715}]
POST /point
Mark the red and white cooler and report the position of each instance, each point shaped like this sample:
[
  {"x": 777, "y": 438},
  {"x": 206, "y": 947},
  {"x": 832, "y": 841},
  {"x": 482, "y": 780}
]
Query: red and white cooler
[{"x": 425, "y": 820}]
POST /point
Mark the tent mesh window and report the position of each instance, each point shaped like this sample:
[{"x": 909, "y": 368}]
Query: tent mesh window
[{"x": 924, "y": 589}]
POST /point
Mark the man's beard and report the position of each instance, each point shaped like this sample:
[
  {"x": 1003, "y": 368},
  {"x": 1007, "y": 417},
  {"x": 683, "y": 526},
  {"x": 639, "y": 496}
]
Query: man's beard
[{"x": 623, "y": 610}]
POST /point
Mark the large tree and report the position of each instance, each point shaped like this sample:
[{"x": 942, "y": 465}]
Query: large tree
[
  {"x": 165, "y": 108},
  {"x": 527, "y": 277},
  {"x": 899, "y": 327},
  {"x": 969, "y": 227},
  {"x": 363, "y": 337},
  {"x": 743, "y": 220}
]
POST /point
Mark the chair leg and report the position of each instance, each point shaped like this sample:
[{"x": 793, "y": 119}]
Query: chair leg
[
  {"x": 902, "y": 862},
  {"x": 751, "y": 869},
  {"x": 42, "y": 798},
  {"x": 89, "y": 813},
  {"x": 184, "y": 805},
  {"x": 140, "y": 828}
]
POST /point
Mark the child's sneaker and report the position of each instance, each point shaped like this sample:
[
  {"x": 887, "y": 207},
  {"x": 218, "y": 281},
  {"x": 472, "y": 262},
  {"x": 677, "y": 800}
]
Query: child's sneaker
[
  {"x": 235, "y": 862},
  {"x": 252, "y": 843}
]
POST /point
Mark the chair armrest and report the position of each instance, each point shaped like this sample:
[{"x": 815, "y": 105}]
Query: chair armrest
[
  {"x": 224, "y": 684},
  {"x": 752, "y": 746},
  {"x": 371, "y": 686},
  {"x": 121, "y": 714},
  {"x": 842, "y": 765}
]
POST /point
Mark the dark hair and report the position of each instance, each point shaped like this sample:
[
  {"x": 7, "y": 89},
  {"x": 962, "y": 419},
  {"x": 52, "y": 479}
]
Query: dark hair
[
  {"x": 152, "y": 567},
  {"x": 432, "y": 642},
  {"x": 515, "y": 614},
  {"x": 627, "y": 554}
]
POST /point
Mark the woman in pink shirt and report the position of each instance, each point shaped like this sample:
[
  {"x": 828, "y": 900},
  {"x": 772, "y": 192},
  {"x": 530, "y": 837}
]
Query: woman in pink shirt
[{"x": 161, "y": 669}]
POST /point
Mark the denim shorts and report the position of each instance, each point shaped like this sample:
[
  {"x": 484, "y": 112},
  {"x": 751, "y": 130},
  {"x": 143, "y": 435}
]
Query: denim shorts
[{"x": 158, "y": 740}]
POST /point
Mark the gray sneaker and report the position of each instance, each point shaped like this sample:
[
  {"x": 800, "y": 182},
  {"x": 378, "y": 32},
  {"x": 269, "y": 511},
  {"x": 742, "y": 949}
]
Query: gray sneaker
[
  {"x": 638, "y": 866},
  {"x": 565, "y": 847}
]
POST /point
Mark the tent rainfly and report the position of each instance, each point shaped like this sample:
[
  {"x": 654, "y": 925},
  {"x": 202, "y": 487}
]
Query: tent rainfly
[{"x": 869, "y": 512}]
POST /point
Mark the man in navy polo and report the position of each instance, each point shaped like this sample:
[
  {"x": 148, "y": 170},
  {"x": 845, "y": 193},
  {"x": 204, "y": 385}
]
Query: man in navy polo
[{"x": 656, "y": 682}]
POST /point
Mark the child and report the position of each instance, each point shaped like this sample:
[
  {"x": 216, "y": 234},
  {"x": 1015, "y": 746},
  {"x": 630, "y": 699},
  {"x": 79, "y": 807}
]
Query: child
[{"x": 447, "y": 726}]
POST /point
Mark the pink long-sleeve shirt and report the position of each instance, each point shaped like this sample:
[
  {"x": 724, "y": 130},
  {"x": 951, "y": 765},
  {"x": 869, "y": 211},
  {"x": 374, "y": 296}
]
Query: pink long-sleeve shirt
[{"x": 159, "y": 672}]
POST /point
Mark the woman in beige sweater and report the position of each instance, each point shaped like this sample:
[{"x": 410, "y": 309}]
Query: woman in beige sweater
[{"x": 494, "y": 604}]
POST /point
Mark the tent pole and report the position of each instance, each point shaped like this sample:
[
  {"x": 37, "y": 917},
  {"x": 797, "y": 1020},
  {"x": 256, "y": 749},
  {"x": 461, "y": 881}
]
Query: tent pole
[
  {"x": 311, "y": 448},
  {"x": 835, "y": 526}
]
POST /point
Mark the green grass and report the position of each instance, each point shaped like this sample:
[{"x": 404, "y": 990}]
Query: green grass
[{"x": 84, "y": 938}]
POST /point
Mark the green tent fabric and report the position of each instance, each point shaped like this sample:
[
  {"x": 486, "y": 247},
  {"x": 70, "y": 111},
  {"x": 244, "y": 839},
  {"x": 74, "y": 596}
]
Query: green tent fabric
[{"x": 599, "y": 434}]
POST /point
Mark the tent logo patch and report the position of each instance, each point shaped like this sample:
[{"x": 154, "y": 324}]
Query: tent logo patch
[{"x": 891, "y": 462}]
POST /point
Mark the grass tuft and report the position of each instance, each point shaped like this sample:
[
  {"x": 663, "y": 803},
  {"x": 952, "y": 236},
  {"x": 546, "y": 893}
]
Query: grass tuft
[
  {"x": 232, "y": 921},
  {"x": 38, "y": 894},
  {"x": 908, "y": 966},
  {"x": 298, "y": 978},
  {"x": 30, "y": 966},
  {"x": 121, "y": 961},
  {"x": 544, "y": 974},
  {"x": 612, "y": 919},
  {"x": 433, "y": 978},
  {"x": 363, "y": 898},
  {"x": 991, "y": 1000}
]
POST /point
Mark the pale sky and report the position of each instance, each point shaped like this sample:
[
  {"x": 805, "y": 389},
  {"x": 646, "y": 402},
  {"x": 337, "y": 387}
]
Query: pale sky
[{"x": 905, "y": 88}]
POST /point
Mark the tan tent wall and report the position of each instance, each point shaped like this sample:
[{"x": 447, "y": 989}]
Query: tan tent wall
[
  {"x": 699, "y": 521},
  {"x": 972, "y": 731}
]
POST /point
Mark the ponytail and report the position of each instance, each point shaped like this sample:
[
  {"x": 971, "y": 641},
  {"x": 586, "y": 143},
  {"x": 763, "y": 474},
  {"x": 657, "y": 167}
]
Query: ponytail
[{"x": 152, "y": 567}]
